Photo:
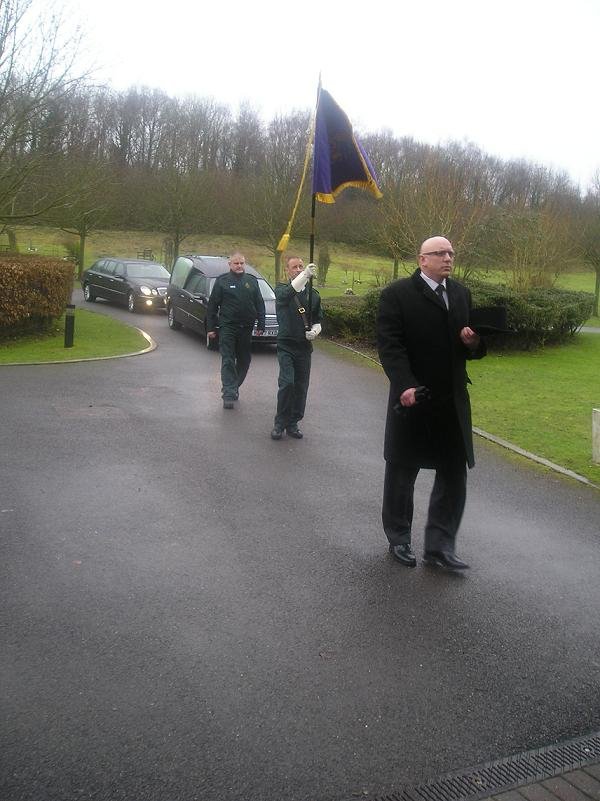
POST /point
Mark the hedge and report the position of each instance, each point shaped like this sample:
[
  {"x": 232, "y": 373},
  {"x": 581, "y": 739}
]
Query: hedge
[
  {"x": 34, "y": 291},
  {"x": 538, "y": 317}
]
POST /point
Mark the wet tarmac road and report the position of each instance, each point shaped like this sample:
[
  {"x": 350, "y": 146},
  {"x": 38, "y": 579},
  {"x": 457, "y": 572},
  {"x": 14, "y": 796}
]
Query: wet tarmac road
[{"x": 193, "y": 611}]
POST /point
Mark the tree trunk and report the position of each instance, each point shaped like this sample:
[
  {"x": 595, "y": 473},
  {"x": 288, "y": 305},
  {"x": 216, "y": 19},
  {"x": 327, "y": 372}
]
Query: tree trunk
[
  {"x": 277, "y": 266},
  {"x": 597, "y": 293},
  {"x": 82, "y": 237},
  {"x": 176, "y": 243},
  {"x": 396, "y": 262},
  {"x": 12, "y": 239}
]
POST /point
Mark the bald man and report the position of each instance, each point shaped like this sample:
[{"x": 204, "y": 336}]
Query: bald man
[
  {"x": 235, "y": 304},
  {"x": 424, "y": 341}
]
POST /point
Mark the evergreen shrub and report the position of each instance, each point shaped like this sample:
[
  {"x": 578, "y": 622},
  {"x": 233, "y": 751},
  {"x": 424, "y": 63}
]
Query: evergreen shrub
[
  {"x": 537, "y": 317},
  {"x": 34, "y": 292}
]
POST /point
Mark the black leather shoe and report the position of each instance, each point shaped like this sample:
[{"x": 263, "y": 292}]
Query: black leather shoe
[
  {"x": 294, "y": 431},
  {"x": 276, "y": 433},
  {"x": 404, "y": 554},
  {"x": 445, "y": 560},
  {"x": 228, "y": 404}
]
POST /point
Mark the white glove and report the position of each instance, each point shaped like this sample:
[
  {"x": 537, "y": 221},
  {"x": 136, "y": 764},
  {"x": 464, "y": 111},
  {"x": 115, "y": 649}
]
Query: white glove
[
  {"x": 314, "y": 332},
  {"x": 301, "y": 280}
]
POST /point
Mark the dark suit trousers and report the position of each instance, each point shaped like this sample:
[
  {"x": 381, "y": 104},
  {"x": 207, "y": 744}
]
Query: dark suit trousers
[
  {"x": 294, "y": 377},
  {"x": 446, "y": 504}
]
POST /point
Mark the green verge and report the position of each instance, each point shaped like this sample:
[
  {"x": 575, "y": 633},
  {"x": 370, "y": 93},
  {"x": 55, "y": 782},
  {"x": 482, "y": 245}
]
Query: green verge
[
  {"x": 95, "y": 336},
  {"x": 542, "y": 401}
]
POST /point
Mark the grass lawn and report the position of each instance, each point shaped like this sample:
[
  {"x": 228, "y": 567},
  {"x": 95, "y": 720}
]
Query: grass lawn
[
  {"x": 542, "y": 401},
  {"x": 96, "y": 335}
]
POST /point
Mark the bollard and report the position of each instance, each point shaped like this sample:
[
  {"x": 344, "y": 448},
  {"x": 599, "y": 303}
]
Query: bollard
[
  {"x": 69, "y": 325},
  {"x": 596, "y": 435}
]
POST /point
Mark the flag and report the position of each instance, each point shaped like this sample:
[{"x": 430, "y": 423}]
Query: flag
[{"x": 339, "y": 161}]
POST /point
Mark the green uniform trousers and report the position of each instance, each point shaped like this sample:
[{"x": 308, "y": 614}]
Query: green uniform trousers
[
  {"x": 294, "y": 377},
  {"x": 235, "y": 343}
]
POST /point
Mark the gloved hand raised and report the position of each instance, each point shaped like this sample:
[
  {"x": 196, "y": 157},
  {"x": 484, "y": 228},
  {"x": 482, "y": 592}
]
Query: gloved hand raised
[
  {"x": 314, "y": 332},
  {"x": 301, "y": 280}
]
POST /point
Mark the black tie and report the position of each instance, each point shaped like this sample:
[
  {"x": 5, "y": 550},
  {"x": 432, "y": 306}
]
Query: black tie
[{"x": 439, "y": 291}]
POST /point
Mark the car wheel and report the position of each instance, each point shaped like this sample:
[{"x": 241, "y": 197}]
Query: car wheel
[
  {"x": 88, "y": 294},
  {"x": 173, "y": 324},
  {"x": 131, "y": 302},
  {"x": 212, "y": 344}
]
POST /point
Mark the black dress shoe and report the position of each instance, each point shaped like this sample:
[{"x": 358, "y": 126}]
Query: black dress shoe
[
  {"x": 228, "y": 404},
  {"x": 294, "y": 431},
  {"x": 404, "y": 554},
  {"x": 445, "y": 560},
  {"x": 276, "y": 433}
]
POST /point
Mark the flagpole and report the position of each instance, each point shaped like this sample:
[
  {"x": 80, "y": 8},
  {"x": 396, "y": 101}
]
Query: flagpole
[
  {"x": 311, "y": 247},
  {"x": 311, "y": 256}
]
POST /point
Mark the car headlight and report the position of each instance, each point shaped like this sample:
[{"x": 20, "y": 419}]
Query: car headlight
[{"x": 145, "y": 290}]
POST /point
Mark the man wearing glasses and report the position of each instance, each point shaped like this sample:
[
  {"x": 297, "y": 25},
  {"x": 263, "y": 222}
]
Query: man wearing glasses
[{"x": 424, "y": 340}]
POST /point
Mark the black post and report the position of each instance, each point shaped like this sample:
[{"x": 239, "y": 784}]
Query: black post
[
  {"x": 311, "y": 256},
  {"x": 69, "y": 325}
]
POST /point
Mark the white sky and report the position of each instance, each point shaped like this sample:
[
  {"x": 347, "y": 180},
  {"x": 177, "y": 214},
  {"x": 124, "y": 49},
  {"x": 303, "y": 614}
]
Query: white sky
[{"x": 520, "y": 78}]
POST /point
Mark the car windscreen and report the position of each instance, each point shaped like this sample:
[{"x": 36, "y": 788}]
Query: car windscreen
[{"x": 148, "y": 271}]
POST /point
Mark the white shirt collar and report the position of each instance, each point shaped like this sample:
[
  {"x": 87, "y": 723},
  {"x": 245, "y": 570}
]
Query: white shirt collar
[{"x": 433, "y": 284}]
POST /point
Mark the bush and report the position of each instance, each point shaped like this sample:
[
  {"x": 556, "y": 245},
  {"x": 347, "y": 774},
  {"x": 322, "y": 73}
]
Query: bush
[
  {"x": 34, "y": 292},
  {"x": 343, "y": 317},
  {"x": 538, "y": 317}
]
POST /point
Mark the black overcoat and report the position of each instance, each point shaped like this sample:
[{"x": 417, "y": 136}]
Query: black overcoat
[{"x": 419, "y": 345}]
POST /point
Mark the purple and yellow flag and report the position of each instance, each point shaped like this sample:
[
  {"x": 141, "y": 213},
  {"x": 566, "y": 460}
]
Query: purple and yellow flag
[{"x": 339, "y": 161}]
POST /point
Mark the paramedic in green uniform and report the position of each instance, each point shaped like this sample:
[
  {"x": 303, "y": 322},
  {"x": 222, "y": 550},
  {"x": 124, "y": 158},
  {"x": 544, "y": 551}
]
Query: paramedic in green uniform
[
  {"x": 234, "y": 305},
  {"x": 294, "y": 345}
]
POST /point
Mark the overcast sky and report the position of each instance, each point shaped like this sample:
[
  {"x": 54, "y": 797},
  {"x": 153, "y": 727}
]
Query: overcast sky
[{"x": 520, "y": 78}]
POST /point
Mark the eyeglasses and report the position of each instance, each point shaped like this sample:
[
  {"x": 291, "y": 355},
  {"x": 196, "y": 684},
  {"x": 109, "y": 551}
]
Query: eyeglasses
[{"x": 440, "y": 253}]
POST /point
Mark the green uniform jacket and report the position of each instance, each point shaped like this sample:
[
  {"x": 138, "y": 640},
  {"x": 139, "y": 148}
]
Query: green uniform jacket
[
  {"x": 236, "y": 300},
  {"x": 289, "y": 319}
]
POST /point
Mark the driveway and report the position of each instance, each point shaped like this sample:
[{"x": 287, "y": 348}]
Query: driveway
[{"x": 193, "y": 612}]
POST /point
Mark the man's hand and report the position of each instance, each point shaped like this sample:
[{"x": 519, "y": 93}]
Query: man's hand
[
  {"x": 301, "y": 280},
  {"x": 212, "y": 334},
  {"x": 314, "y": 331},
  {"x": 469, "y": 338},
  {"x": 408, "y": 397}
]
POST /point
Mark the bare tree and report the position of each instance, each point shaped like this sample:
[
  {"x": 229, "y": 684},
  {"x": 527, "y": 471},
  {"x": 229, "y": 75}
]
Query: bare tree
[
  {"x": 35, "y": 74},
  {"x": 84, "y": 190},
  {"x": 531, "y": 246},
  {"x": 590, "y": 236},
  {"x": 180, "y": 204},
  {"x": 268, "y": 197},
  {"x": 433, "y": 190}
]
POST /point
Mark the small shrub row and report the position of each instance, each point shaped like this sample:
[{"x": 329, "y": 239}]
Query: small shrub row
[
  {"x": 537, "y": 317},
  {"x": 34, "y": 292}
]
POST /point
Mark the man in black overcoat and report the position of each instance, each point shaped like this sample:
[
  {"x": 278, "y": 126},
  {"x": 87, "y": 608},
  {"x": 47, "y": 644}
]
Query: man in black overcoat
[{"x": 424, "y": 341}]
